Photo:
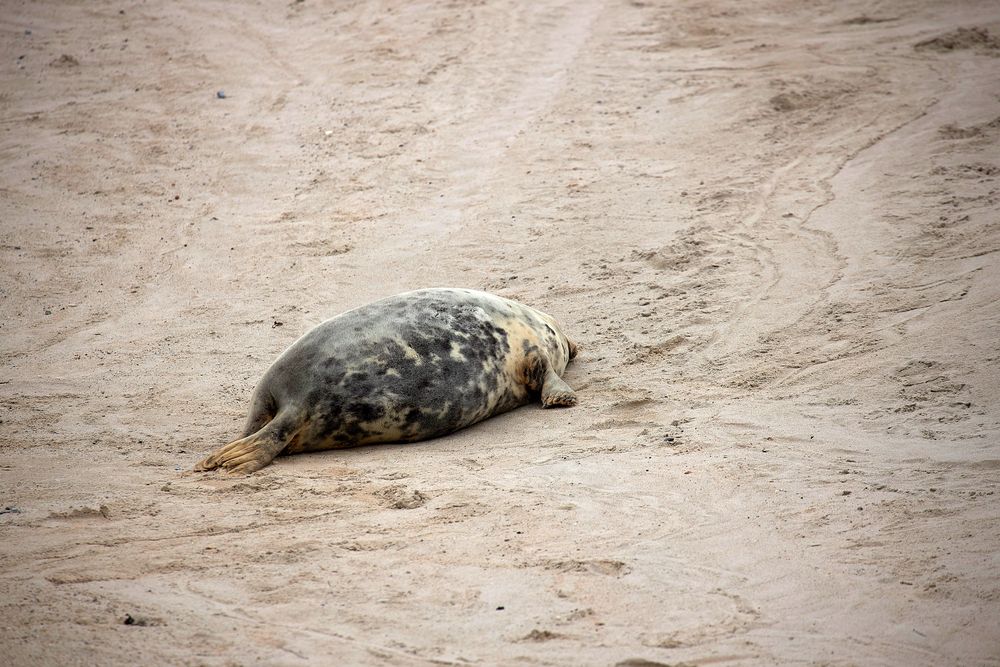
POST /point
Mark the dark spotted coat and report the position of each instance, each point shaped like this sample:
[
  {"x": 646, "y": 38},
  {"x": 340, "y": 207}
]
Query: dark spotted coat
[{"x": 410, "y": 367}]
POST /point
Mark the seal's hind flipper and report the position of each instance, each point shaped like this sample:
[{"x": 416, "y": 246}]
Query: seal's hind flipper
[
  {"x": 253, "y": 452},
  {"x": 262, "y": 410}
]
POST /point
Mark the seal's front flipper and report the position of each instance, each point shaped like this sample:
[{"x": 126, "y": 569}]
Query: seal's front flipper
[
  {"x": 537, "y": 375},
  {"x": 556, "y": 392},
  {"x": 253, "y": 452}
]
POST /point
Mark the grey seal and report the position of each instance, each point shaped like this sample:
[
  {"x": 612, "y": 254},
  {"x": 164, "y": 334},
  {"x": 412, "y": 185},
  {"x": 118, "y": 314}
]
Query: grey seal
[{"x": 408, "y": 367}]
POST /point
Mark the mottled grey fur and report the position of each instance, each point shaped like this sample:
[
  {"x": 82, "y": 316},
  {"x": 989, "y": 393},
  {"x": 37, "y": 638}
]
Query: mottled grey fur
[{"x": 410, "y": 367}]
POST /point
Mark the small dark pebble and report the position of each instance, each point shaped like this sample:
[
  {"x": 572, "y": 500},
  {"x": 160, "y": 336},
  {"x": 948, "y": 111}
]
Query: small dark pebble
[
  {"x": 10, "y": 509},
  {"x": 27, "y": 32},
  {"x": 277, "y": 324},
  {"x": 499, "y": 608},
  {"x": 221, "y": 94},
  {"x": 129, "y": 620}
]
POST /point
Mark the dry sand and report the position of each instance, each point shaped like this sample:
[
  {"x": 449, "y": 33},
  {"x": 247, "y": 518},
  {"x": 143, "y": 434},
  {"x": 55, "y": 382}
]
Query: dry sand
[{"x": 772, "y": 226}]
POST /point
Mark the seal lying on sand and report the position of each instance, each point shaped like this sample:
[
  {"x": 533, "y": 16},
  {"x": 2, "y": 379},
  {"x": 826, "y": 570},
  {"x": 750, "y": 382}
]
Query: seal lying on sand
[{"x": 410, "y": 367}]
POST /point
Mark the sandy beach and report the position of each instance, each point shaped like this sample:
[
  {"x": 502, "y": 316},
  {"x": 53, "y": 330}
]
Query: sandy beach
[{"x": 772, "y": 227}]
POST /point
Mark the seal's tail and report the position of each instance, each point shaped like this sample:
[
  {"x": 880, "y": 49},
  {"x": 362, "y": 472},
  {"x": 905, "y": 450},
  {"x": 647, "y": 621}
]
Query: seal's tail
[{"x": 256, "y": 450}]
